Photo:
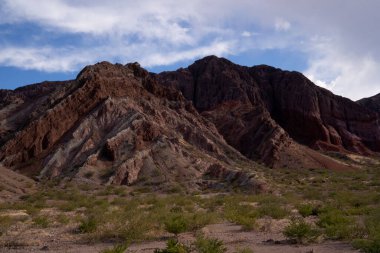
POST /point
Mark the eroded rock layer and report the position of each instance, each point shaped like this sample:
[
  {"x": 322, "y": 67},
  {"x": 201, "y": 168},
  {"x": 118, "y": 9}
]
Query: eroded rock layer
[
  {"x": 114, "y": 124},
  {"x": 266, "y": 113},
  {"x": 190, "y": 128}
]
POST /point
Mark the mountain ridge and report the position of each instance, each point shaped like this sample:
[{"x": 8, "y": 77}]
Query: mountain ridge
[{"x": 196, "y": 126}]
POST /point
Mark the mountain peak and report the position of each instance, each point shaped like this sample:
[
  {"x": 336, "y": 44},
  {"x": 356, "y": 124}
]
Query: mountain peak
[{"x": 197, "y": 124}]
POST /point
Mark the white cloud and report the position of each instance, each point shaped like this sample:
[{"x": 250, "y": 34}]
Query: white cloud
[
  {"x": 216, "y": 48},
  {"x": 352, "y": 79},
  {"x": 282, "y": 25},
  {"x": 341, "y": 44},
  {"x": 44, "y": 59}
]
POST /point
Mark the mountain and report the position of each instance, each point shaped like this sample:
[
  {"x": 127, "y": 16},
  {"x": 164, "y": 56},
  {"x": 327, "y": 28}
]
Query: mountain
[
  {"x": 202, "y": 126},
  {"x": 115, "y": 124},
  {"x": 272, "y": 115},
  {"x": 371, "y": 103}
]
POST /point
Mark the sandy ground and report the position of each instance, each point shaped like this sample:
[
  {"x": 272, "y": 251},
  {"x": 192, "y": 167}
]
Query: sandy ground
[
  {"x": 232, "y": 236},
  {"x": 13, "y": 184}
]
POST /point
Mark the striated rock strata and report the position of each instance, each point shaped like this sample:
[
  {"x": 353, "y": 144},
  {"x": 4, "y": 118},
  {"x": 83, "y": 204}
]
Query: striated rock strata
[
  {"x": 272, "y": 115},
  {"x": 114, "y": 124}
]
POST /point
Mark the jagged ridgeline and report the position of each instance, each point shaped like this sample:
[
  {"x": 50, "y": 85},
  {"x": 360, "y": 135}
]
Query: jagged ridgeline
[{"x": 208, "y": 125}]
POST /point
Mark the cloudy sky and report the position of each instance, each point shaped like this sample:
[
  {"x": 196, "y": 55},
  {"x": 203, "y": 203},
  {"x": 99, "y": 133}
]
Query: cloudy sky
[{"x": 336, "y": 43}]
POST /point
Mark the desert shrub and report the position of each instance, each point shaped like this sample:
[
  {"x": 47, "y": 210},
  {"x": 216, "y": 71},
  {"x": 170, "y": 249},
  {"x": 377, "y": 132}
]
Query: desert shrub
[
  {"x": 336, "y": 224},
  {"x": 88, "y": 225},
  {"x": 135, "y": 229},
  {"x": 176, "y": 209},
  {"x": 41, "y": 221},
  {"x": 244, "y": 250},
  {"x": 173, "y": 246},
  {"x": 199, "y": 220},
  {"x": 371, "y": 243},
  {"x": 307, "y": 210},
  {"x": 300, "y": 231},
  {"x": 212, "y": 204},
  {"x": 176, "y": 224},
  {"x": 243, "y": 215},
  {"x": 372, "y": 224},
  {"x": 63, "y": 219},
  {"x": 366, "y": 245},
  {"x": 5, "y": 223},
  {"x": 119, "y": 248},
  {"x": 273, "y": 210},
  {"x": 209, "y": 245}
]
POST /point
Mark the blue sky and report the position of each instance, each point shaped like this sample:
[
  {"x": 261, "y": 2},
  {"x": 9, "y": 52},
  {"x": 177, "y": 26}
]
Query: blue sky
[{"x": 333, "y": 42}]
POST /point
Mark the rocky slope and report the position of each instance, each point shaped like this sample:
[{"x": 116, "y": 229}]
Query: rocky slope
[
  {"x": 371, "y": 103},
  {"x": 115, "y": 124},
  {"x": 266, "y": 113},
  {"x": 190, "y": 128}
]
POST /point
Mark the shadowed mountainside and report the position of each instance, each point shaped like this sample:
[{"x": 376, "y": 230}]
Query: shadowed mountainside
[
  {"x": 265, "y": 112},
  {"x": 114, "y": 124},
  {"x": 372, "y": 103},
  {"x": 194, "y": 127}
]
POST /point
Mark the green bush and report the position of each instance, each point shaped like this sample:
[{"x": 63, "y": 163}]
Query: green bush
[
  {"x": 199, "y": 220},
  {"x": 176, "y": 224},
  {"x": 88, "y": 225},
  {"x": 244, "y": 250},
  {"x": 367, "y": 246},
  {"x": 243, "y": 215},
  {"x": 307, "y": 210},
  {"x": 273, "y": 210},
  {"x": 209, "y": 245},
  {"x": 41, "y": 221},
  {"x": 301, "y": 231},
  {"x": 120, "y": 248},
  {"x": 173, "y": 246},
  {"x": 5, "y": 223},
  {"x": 336, "y": 224}
]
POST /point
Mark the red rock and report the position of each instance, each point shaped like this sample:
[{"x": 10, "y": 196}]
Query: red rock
[
  {"x": 115, "y": 121},
  {"x": 263, "y": 111},
  {"x": 371, "y": 103}
]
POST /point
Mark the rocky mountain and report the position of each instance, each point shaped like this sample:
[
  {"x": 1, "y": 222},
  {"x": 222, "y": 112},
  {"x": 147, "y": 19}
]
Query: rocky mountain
[
  {"x": 115, "y": 124},
  {"x": 201, "y": 126},
  {"x": 371, "y": 103},
  {"x": 266, "y": 113}
]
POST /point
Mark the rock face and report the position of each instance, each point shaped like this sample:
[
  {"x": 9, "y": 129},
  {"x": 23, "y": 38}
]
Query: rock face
[
  {"x": 371, "y": 103},
  {"x": 114, "y": 124},
  {"x": 190, "y": 128},
  {"x": 265, "y": 113}
]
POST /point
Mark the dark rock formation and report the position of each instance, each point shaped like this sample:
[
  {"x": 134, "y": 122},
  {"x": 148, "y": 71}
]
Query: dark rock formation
[
  {"x": 193, "y": 128},
  {"x": 371, "y": 103},
  {"x": 116, "y": 125},
  {"x": 265, "y": 112}
]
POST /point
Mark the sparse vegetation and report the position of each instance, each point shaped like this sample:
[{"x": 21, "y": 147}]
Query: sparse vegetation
[
  {"x": 119, "y": 248},
  {"x": 5, "y": 223},
  {"x": 112, "y": 213},
  {"x": 176, "y": 224},
  {"x": 336, "y": 224},
  {"x": 307, "y": 210},
  {"x": 209, "y": 245},
  {"x": 300, "y": 231},
  {"x": 88, "y": 225},
  {"x": 244, "y": 215},
  {"x": 41, "y": 221},
  {"x": 273, "y": 210},
  {"x": 173, "y": 246},
  {"x": 366, "y": 245},
  {"x": 244, "y": 250}
]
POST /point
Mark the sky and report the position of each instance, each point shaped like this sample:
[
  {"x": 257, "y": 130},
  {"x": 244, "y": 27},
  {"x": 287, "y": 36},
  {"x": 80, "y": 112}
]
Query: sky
[{"x": 335, "y": 43}]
